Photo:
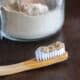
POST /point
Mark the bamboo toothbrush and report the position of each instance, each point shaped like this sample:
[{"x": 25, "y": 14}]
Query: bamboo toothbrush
[{"x": 45, "y": 56}]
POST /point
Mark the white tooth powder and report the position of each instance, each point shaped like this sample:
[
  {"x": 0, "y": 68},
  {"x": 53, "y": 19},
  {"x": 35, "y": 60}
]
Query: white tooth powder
[
  {"x": 19, "y": 25},
  {"x": 35, "y": 9}
]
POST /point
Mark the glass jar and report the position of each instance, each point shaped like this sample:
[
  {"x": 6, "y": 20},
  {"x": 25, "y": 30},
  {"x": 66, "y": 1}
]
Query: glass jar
[{"x": 19, "y": 27}]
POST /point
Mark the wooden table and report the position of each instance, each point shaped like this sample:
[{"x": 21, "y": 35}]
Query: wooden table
[{"x": 14, "y": 52}]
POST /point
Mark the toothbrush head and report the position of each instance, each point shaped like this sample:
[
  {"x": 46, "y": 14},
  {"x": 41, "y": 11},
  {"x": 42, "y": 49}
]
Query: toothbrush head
[{"x": 49, "y": 52}]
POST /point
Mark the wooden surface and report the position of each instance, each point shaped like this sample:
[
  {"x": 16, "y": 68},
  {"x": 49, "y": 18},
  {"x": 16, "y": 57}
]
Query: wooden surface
[{"x": 13, "y": 52}]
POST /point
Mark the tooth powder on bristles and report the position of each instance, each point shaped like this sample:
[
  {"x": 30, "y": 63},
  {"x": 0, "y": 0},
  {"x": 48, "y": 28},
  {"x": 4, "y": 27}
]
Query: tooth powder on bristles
[
  {"x": 44, "y": 49},
  {"x": 51, "y": 51}
]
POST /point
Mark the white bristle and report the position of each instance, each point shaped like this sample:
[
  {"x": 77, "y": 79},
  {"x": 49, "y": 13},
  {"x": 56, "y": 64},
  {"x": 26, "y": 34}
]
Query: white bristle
[
  {"x": 43, "y": 56},
  {"x": 55, "y": 53},
  {"x": 51, "y": 55},
  {"x": 36, "y": 56}
]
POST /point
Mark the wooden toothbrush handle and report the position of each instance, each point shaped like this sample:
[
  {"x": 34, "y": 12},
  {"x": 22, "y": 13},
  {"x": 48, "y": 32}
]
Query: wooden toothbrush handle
[
  {"x": 16, "y": 68},
  {"x": 12, "y": 69},
  {"x": 30, "y": 65}
]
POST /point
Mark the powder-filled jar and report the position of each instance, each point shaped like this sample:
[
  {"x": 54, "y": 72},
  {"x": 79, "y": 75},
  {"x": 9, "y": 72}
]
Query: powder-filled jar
[{"x": 20, "y": 26}]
